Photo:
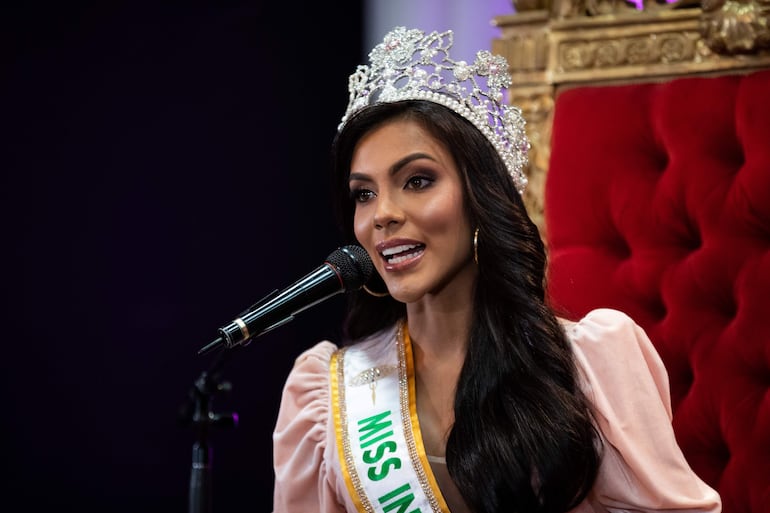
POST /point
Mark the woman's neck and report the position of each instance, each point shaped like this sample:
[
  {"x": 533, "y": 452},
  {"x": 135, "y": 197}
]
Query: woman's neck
[
  {"x": 439, "y": 323},
  {"x": 439, "y": 333}
]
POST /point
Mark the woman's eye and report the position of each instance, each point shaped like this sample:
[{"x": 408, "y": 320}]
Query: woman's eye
[
  {"x": 361, "y": 195},
  {"x": 418, "y": 182}
]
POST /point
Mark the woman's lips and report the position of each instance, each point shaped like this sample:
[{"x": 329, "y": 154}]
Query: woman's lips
[{"x": 398, "y": 257}]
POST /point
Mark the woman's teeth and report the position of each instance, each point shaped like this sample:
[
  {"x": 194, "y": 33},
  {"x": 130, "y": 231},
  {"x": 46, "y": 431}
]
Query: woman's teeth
[{"x": 398, "y": 254}]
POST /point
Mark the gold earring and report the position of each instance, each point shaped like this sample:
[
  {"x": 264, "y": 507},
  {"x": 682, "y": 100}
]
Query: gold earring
[
  {"x": 476, "y": 246},
  {"x": 375, "y": 294}
]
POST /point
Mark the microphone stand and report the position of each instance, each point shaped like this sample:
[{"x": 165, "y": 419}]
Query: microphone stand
[{"x": 198, "y": 412}]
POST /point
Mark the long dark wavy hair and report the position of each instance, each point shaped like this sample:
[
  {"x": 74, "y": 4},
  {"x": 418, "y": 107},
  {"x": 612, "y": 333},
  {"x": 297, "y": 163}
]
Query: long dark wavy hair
[{"x": 523, "y": 438}]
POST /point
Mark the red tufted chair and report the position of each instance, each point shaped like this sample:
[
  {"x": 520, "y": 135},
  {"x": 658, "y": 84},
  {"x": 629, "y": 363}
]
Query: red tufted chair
[
  {"x": 651, "y": 184},
  {"x": 664, "y": 213}
]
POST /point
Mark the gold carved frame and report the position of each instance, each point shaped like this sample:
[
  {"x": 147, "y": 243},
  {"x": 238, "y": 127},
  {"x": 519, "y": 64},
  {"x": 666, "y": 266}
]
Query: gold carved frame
[{"x": 555, "y": 44}]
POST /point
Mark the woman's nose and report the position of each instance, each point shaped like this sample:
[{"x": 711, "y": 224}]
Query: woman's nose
[{"x": 388, "y": 212}]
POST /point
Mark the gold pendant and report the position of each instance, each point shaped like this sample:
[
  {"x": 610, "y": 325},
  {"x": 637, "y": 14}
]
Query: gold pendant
[{"x": 370, "y": 377}]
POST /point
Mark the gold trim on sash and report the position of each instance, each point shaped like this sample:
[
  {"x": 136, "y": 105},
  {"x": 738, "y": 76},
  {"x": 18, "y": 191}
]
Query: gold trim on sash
[
  {"x": 353, "y": 483},
  {"x": 409, "y": 415}
]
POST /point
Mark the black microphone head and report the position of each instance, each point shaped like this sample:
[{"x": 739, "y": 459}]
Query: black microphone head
[{"x": 354, "y": 266}]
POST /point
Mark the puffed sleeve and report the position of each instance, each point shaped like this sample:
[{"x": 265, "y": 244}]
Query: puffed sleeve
[
  {"x": 299, "y": 438},
  {"x": 643, "y": 468}
]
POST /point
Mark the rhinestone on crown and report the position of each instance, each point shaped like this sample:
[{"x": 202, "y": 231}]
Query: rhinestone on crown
[{"x": 411, "y": 65}]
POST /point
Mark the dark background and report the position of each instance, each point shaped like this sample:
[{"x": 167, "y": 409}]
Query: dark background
[{"x": 164, "y": 168}]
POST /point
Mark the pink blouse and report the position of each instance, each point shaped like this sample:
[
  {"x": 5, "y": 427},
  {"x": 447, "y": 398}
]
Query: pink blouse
[{"x": 643, "y": 468}]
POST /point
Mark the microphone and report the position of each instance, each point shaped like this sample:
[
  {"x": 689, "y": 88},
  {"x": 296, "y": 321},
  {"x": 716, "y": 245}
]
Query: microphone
[{"x": 346, "y": 268}]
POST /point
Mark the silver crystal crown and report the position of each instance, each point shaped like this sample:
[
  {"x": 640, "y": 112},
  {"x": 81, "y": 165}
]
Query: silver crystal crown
[{"x": 412, "y": 65}]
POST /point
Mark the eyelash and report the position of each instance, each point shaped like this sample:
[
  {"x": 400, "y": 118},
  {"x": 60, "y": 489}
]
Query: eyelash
[
  {"x": 420, "y": 178},
  {"x": 416, "y": 182},
  {"x": 357, "y": 195}
]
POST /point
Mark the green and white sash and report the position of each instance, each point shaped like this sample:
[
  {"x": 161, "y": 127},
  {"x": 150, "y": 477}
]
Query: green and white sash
[{"x": 378, "y": 434}]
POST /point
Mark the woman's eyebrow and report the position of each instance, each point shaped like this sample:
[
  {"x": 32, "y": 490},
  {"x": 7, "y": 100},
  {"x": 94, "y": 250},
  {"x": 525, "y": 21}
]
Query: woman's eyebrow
[{"x": 395, "y": 167}]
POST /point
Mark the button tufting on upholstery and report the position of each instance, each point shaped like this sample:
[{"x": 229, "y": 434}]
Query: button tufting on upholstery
[{"x": 657, "y": 202}]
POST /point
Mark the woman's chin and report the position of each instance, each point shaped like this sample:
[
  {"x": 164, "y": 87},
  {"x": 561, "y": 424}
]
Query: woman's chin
[{"x": 403, "y": 294}]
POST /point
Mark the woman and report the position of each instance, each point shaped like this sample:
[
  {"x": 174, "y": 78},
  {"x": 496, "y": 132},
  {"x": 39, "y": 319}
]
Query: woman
[{"x": 458, "y": 389}]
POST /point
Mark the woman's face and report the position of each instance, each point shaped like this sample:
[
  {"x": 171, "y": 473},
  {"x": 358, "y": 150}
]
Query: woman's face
[{"x": 409, "y": 212}]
